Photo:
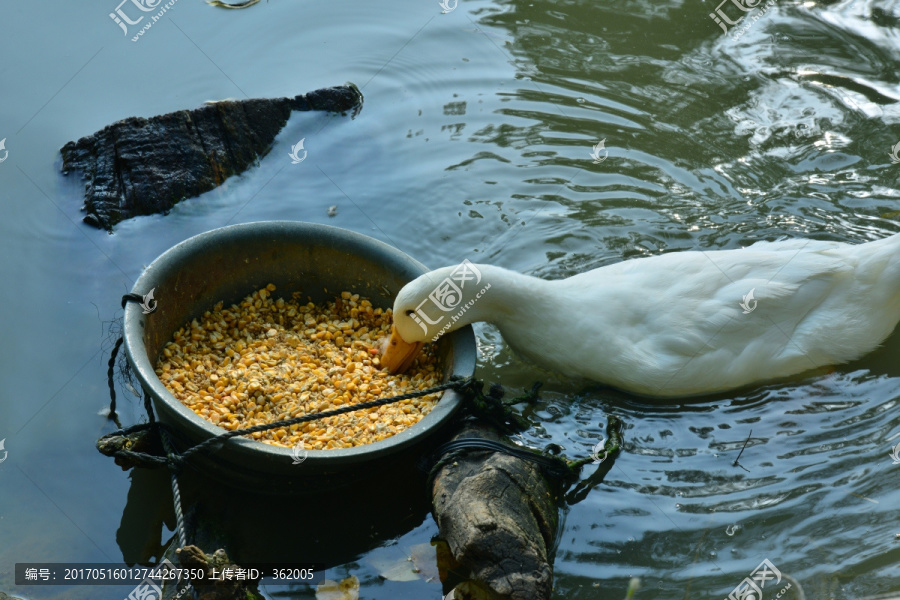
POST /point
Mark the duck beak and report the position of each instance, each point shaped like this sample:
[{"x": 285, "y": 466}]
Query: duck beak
[{"x": 398, "y": 355}]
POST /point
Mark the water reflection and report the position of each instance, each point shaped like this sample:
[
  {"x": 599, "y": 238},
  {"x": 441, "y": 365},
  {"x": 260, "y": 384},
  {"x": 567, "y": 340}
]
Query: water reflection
[{"x": 323, "y": 531}]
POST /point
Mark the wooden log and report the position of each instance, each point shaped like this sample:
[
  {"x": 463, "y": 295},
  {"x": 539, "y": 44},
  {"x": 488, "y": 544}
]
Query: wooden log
[
  {"x": 498, "y": 514},
  {"x": 141, "y": 166}
]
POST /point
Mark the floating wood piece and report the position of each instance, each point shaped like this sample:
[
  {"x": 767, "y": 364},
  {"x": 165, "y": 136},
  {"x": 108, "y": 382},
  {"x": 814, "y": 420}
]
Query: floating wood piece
[
  {"x": 141, "y": 166},
  {"x": 498, "y": 515}
]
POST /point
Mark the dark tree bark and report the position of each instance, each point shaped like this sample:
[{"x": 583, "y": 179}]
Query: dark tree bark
[
  {"x": 498, "y": 514},
  {"x": 141, "y": 166}
]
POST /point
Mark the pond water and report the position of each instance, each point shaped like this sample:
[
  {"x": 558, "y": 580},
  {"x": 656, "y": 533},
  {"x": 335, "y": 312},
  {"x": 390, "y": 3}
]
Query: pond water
[{"x": 475, "y": 143}]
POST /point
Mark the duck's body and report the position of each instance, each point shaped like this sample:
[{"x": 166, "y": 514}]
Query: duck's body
[{"x": 682, "y": 323}]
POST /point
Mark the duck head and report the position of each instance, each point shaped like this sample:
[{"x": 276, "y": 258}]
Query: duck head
[{"x": 429, "y": 307}]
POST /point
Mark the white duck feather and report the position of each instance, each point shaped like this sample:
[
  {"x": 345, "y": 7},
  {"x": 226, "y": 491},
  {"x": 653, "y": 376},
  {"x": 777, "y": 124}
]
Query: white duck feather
[{"x": 678, "y": 324}]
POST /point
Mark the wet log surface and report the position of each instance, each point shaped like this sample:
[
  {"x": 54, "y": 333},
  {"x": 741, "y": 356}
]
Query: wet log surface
[
  {"x": 141, "y": 166},
  {"x": 498, "y": 515}
]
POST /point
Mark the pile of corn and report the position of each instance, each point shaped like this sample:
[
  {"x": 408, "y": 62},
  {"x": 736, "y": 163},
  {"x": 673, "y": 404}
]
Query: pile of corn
[{"x": 267, "y": 360}]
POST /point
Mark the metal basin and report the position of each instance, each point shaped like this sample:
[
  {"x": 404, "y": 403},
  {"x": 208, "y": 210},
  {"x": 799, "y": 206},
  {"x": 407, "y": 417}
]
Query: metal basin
[{"x": 229, "y": 263}]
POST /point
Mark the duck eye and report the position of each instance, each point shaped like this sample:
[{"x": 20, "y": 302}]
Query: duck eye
[{"x": 410, "y": 312}]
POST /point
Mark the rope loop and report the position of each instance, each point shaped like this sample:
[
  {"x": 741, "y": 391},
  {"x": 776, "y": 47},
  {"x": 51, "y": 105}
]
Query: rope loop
[{"x": 131, "y": 298}]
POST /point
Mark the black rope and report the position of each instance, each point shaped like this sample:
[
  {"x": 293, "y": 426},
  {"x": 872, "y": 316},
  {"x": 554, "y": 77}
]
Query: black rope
[
  {"x": 556, "y": 468},
  {"x": 493, "y": 409},
  {"x": 148, "y": 406},
  {"x": 112, "y": 363},
  {"x": 456, "y": 383},
  {"x": 176, "y": 498},
  {"x": 171, "y": 459},
  {"x": 176, "y": 491},
  {"x": 175, "y": 461},
  {"x": 109, "y": 380},
  {"x": 132, "y": 298},
  {"x": 496, "y": 411},
  {"x": 553, "y": 467},
  {"x": 611, "y": 449}
]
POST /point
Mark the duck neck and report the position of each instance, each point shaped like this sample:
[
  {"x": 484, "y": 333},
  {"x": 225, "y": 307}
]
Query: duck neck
[{"x": 503, "y": 297}]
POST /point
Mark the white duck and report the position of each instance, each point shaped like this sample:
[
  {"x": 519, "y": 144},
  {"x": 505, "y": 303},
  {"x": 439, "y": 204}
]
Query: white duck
[{"x": 678, "y": 324}]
